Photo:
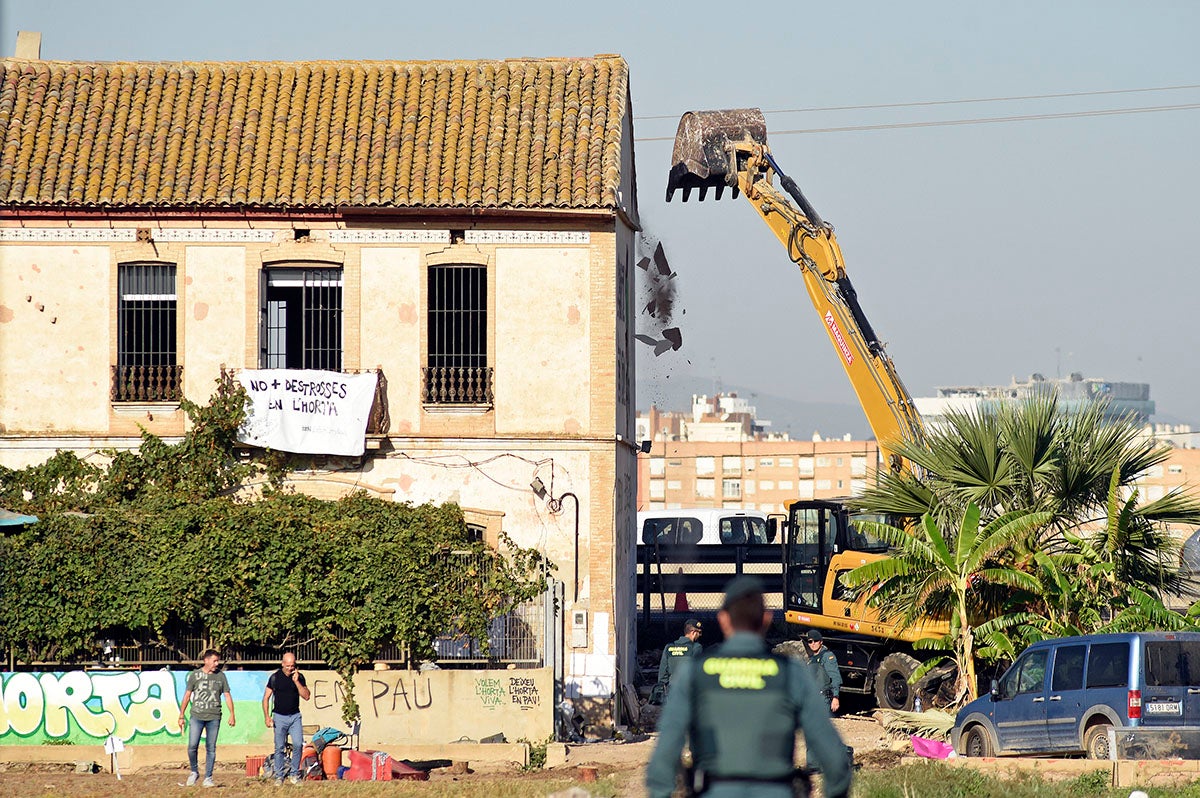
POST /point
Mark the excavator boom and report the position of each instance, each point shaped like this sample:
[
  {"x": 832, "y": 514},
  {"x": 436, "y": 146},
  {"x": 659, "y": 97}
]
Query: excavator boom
[{"x": 728, "y": 149}]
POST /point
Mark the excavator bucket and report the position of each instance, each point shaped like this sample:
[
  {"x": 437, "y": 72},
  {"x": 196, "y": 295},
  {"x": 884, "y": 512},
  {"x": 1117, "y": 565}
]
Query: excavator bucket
[{"x": 701, "y": 158}]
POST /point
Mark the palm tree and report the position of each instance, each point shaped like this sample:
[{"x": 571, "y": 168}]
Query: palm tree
[
  {"x": 1100, "y": 560},
  {"x": 930, "y": 573}
]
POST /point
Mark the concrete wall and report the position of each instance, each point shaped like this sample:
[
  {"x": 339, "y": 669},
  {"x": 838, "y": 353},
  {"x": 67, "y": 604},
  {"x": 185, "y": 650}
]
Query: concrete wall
[
  {"x": 543, "y": 321},
  {"x": 551, "y": 333},
  {"x": 391, "y": 300},
  {"x": 409, "y": 707},
  {"x": 403, "y": 707},
  {"x": 54, "y": 338},
  {"x": 213, "y": 295}
]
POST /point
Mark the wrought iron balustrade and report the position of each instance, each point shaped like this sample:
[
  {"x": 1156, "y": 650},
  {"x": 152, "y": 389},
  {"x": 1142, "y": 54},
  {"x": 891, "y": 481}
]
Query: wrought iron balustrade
[
  {"x": 146, "y": 384},
  {"x": 457, "y": 385}
]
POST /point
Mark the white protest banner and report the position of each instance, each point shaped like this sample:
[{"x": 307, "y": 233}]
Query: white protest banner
[{"x": 307, "y": 411}]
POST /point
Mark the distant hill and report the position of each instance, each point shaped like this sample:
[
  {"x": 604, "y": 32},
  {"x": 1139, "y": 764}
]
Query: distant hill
[{"x": 799, "y": 419}]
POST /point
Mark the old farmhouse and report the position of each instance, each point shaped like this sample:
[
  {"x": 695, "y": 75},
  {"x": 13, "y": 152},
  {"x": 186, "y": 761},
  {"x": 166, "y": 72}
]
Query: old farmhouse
[{"x": 463, "y": 230}]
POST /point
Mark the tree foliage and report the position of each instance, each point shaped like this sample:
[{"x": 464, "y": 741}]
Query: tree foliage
[
  {"x": 1098, "y": 560},
  {"x": 158, "y": 542},
  {"x": 945, "y": 575}
]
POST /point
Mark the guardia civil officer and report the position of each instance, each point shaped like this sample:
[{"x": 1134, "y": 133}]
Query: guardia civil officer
[
  {"x": 674, "y": 653},
  {"x": 823, "y": 666},
  {"x": 741, "y": 706}
]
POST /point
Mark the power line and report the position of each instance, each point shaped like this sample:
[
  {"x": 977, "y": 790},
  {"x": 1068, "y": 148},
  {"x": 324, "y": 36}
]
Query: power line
[
  {"x": 972, "y": 121},
  {"x": 864, "y": 448},
  {"x": 925, "y": 103}
]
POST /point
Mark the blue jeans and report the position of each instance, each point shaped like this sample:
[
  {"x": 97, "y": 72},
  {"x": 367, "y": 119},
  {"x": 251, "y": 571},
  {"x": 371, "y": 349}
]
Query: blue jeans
[
  {"x": 286, "y": 725},
  {"x": 210, "y": 728}
]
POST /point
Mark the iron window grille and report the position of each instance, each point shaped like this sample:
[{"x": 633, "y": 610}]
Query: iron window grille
[
  {"x": 301, "y": 319},
  {"x": 457, "y": 370},
  {"x": 147, "y": 369}
]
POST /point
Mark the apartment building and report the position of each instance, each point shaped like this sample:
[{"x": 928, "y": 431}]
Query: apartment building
[{"x": 719, "y": 455}]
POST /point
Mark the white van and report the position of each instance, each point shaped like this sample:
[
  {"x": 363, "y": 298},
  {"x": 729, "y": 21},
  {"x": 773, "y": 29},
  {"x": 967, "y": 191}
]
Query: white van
[{"x": 704, "y": 526}]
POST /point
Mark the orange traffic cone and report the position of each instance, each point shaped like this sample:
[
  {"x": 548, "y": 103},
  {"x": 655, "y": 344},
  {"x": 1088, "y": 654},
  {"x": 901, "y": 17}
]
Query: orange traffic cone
[{"x": 681, "y": 603}]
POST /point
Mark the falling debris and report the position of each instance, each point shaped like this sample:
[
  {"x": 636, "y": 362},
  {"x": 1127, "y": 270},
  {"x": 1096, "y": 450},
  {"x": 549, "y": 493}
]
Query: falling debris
[
  {"x": 658, "y": 300},
  {"x": 660, "y": 260}
]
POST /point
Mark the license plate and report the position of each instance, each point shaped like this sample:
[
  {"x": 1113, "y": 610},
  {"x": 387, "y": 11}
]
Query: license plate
[{"x": 1164, "y": 708}]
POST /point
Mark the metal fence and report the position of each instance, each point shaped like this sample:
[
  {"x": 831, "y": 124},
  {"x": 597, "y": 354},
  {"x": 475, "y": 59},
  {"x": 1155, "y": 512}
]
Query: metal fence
[
  {"x": 677, "y": 582},
  {"x": 691, "y": 578}
]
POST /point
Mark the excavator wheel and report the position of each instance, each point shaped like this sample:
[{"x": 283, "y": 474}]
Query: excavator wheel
[
  {"x": 701, "y": 157},
  {"x": 892, "y": 690}
]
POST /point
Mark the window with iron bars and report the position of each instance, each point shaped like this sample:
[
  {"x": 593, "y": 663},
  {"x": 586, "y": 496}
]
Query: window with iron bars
[
  {"x": 457, "y": 370},
  {"x": 147, "y": 369},
  {"x": 301, "y": 319}
]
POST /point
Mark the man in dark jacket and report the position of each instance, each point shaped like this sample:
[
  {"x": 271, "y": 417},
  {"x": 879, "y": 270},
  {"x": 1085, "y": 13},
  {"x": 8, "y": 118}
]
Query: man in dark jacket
[
  {"x": 674, "y": 653},
  {"x": 741, "y": 706},
  {"x": 823, "y": 666}
]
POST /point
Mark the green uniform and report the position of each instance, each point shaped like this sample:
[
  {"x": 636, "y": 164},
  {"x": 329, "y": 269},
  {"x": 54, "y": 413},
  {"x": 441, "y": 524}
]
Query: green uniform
[
  {"x": 823, "y": 667},
  {"x": 673, "y": 654},
  {"x": 741, "y": 707}
]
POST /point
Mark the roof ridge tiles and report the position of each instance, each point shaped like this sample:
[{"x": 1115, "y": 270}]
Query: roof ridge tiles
[
  {"x": 14, "y": 61},
  {"x": 513, "y": 132}
]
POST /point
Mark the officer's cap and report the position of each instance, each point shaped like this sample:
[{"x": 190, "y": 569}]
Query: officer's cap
[
  {"x": 693, "y": 623},
  {"x": 813, "y": 636},
  {"x": 739, "y": 588}
]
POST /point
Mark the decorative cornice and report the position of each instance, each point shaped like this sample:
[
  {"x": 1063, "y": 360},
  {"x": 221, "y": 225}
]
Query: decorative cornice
[
  {"x": 214, "y": 235},
  {"x": 388, "y": 236},
  {"x": 527, "y": 237},
  {"x": 95, "y": 234}
]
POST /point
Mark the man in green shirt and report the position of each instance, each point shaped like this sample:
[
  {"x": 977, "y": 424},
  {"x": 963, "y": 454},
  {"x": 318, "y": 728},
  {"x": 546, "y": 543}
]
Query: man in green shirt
[
  {"x": 205, "y": 686},
  {"x": 674, "y": 653},
  {"x": 823, "y": 666},
  {"x": 741, "y": 706}
]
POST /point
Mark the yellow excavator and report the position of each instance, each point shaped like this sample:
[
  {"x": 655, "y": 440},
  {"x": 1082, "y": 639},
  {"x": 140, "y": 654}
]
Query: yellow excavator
[{"x": 727, "y": 150}]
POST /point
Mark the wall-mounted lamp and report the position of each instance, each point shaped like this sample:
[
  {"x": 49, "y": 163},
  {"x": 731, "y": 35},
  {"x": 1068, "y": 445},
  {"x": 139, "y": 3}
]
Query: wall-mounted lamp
[
  {"x": 539, "y": 488},
  {"x": 643, "y": 447}
]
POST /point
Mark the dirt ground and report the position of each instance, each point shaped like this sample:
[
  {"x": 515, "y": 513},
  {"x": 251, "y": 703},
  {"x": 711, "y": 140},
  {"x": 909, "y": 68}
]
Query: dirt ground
[{"x": 620, "y": 767}]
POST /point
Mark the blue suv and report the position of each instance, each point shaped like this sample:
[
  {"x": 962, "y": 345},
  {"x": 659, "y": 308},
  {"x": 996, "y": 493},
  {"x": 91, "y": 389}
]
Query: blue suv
[{"x": 1063, "y": 695}]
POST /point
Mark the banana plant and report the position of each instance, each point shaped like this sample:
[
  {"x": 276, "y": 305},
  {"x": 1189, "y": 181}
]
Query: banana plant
[{"x": 933, "y": 574}]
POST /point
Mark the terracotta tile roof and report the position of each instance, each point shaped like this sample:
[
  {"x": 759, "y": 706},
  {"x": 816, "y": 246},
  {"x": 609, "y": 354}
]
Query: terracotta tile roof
[{"x": 536, "y": 133}]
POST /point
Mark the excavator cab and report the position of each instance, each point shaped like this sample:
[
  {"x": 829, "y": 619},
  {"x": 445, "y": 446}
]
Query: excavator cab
[{"x": 704, "y": 155}]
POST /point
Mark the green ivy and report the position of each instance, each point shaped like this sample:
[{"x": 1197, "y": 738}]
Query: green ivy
[{"x": 158, "y": 541}]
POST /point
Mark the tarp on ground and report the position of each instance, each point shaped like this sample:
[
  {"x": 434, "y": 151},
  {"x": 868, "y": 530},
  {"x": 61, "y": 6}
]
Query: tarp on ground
[{"x": 9, "y": 518}]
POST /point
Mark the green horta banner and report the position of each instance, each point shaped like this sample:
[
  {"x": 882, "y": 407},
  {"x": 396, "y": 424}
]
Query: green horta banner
[{"x": 138, "y": 707}]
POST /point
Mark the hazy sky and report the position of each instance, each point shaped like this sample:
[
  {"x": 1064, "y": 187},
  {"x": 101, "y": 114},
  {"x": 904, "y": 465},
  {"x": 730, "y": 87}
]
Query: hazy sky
[{"x": 979, "y": 251}]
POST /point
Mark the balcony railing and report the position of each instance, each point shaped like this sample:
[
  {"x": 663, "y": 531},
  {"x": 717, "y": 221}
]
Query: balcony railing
[
  {"x": 456, "y": 385},
  {"x": 146, "y": 384}
]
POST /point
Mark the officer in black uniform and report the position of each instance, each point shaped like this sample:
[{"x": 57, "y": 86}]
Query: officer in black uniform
[
  {"x": 823, "y": 666},
  {"x": 674, "y": 653},
  {"x": 741, "y": 706}
]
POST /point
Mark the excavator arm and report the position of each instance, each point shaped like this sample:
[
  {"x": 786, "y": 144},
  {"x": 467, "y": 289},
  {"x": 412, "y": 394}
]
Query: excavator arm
[
  {"x": 720, "y": 150},
  {"x": 728, "y": 149}
]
